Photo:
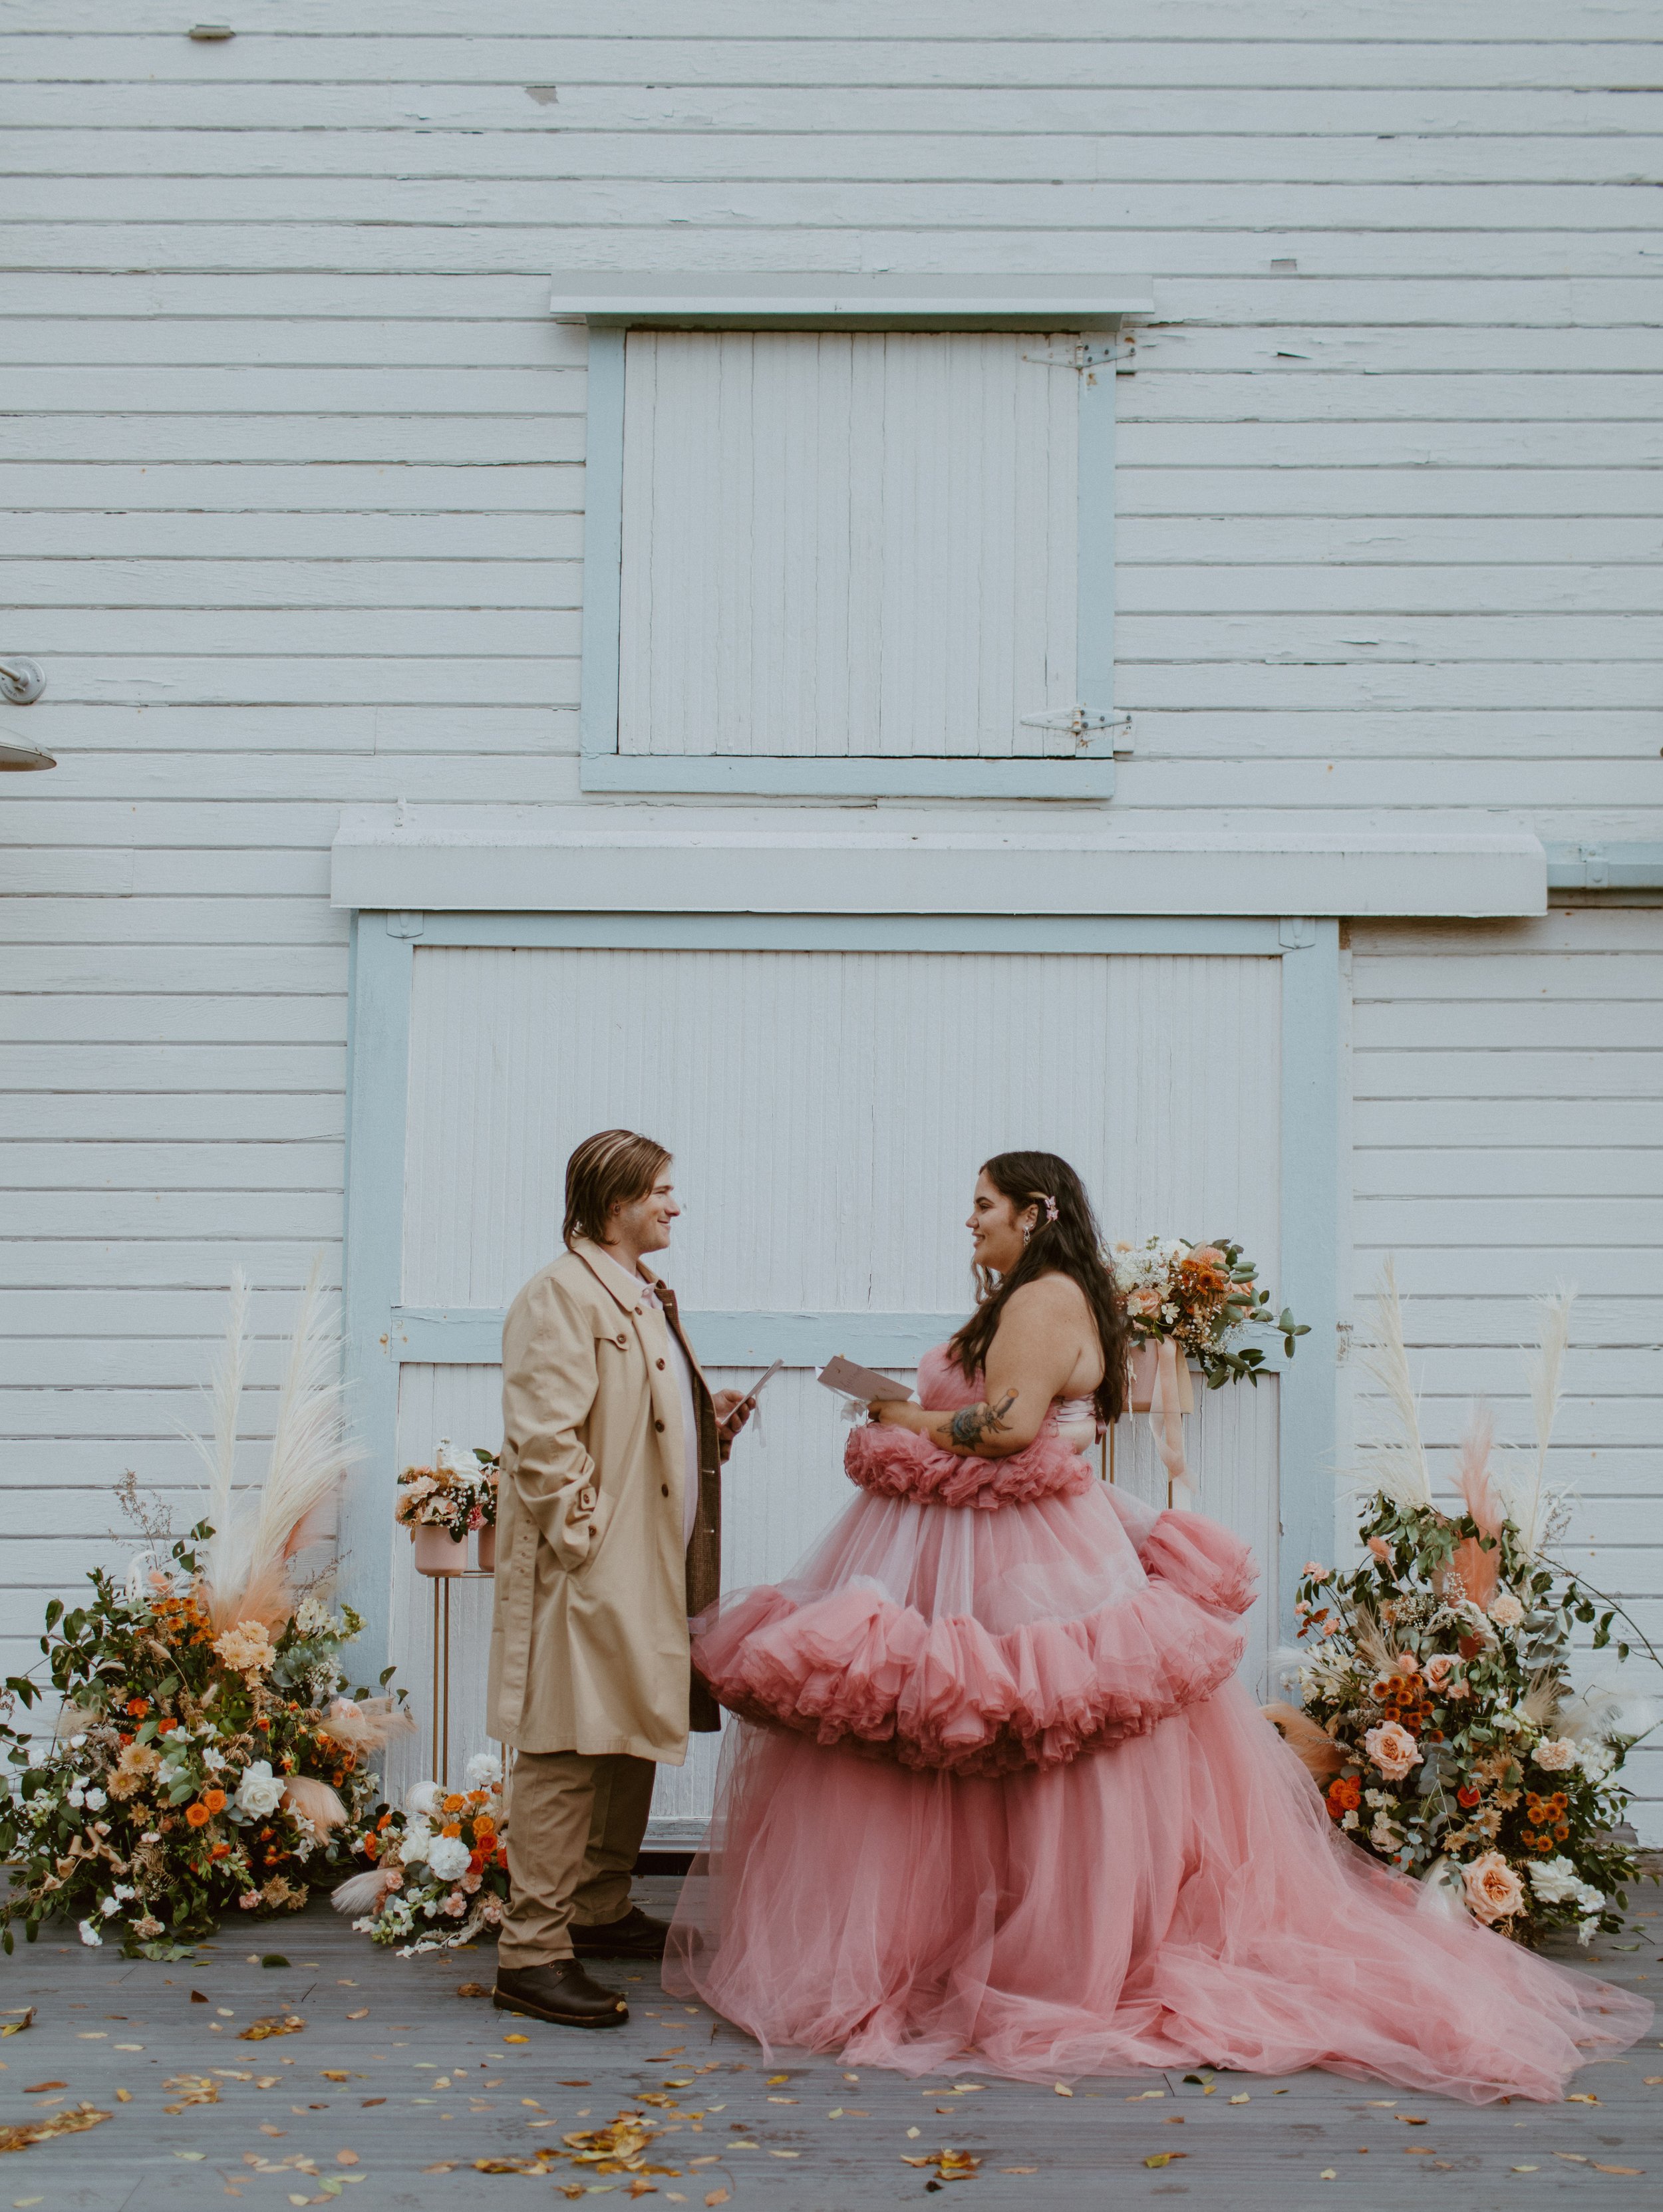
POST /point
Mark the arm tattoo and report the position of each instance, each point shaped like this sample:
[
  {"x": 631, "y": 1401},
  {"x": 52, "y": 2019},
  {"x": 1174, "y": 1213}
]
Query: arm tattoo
[{"x": 971, "y": 1424}]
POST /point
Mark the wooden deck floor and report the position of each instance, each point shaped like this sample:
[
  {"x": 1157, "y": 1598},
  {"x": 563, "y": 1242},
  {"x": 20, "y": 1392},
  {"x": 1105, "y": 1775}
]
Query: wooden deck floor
[{"x": 397, "y": 2085}]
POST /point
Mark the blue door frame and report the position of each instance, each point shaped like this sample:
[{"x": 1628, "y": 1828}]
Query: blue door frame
[{"x": 383, "y": 1335}]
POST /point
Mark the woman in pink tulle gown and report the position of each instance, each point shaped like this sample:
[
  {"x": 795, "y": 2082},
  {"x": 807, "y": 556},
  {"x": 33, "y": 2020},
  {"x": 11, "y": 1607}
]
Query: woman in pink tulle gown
[{"x": 995, "y": 1790}]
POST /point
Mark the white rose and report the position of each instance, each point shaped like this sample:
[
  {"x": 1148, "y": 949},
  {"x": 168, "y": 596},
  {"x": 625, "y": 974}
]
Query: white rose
[
  {"x": 412, "y": 1847},
  {"x": 260, "y": 1791},
  {"x": 449, "y": 1858},
  {"x": 90, "y": 1935},
  {"x": 96, "y": 1800},
  {"x": 424, "y": 1798}
]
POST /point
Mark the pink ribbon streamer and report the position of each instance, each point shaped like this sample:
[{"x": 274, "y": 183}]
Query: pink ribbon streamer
[{"x": 1166, "y": 1425}]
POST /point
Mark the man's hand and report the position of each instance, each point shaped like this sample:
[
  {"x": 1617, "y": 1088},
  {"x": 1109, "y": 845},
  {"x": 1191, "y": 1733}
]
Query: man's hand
[{"x": 733, "y": 1411}]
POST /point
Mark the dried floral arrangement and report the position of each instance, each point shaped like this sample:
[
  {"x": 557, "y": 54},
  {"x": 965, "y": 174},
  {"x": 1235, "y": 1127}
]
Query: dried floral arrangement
[
  {"x": 1200, "y": 1297},
  {"x": 440, "y": 1865},
  {"x": 204, "y": 1756},
  {"x": 1439, "y": 1709}
]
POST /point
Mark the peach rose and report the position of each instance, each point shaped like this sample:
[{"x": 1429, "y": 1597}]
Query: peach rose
[
  {"x": 1505, "y": 1610},
  {"x": 1392, "y": 1749},
  {"x": 1439, "y": 1669},
  {"x": 1492, "y": 1891}
]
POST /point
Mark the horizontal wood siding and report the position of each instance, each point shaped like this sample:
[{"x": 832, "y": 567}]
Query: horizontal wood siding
[{"x": 1508, "y": 1138}]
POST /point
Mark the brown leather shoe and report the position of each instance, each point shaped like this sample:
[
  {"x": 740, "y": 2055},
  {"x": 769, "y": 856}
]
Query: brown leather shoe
[
  {"x": 637, "y": 1935},
  {"x": 563, "y": 1993}
]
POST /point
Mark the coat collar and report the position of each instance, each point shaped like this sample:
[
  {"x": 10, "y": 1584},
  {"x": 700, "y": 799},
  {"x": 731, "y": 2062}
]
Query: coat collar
[{"x": 609, "y": 1273}]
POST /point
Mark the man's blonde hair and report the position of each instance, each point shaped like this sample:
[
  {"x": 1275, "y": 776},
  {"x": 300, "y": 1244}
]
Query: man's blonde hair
[{"x": 612, "y": 1168}]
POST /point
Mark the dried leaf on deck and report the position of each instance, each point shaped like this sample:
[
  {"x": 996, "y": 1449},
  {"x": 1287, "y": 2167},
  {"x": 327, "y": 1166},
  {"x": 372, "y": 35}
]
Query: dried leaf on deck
[
  {"x": 1164, "y": 2157},
  {"x": 471, "y": 1990},
  {"x": 192, "y": 2089},
  {"x": 15, "y": 2026},
  {"x": 951, "y": 2165},
  {"x": 287, "y": 2023},
  {"x": 74, "y": 2122}
]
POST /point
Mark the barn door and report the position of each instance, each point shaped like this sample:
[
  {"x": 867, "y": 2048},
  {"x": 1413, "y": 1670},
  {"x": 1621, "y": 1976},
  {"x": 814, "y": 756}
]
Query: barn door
[{"x": 827, "y": 1110}]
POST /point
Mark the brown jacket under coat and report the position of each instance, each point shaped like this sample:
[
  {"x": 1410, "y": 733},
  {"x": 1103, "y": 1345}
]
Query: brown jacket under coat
[{"x": 589, "y": 1642}]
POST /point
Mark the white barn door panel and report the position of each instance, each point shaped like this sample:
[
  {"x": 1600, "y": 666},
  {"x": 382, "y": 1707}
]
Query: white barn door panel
[
  {"x": 848, "y": 543},
  {"x": 827, "y": 1111}
]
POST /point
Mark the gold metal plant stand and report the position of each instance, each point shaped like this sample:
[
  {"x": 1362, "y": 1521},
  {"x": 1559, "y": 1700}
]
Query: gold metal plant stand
[{"x": 442, "y": 1667}]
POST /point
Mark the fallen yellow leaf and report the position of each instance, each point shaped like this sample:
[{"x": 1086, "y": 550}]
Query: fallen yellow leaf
[
  {"x": 1164, "y": 2157},
  {"x": 1409, "y": 2119},
  {"x": 516, "y": 2038},
  {"x": 362, "y": 2013},
  {"x": 288, "y": 2023},
  {"x": 346, "y": 2158},
  {"x": 1581, "y": 2097},
  {"x": 1061, "y": 2089},
  {"x": 124, "y": 2096},
  {"x": 1241, "y": 2097},
  {"x": 716, "y": 2197},
  {"x": 1615, "y": 2169},
  {"x": 774, "y": 2080}
]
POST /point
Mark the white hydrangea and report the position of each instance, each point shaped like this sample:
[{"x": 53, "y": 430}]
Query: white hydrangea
[
  {"x": 260, "y": 1791},
  {"x": 449, "y": 1858},
  {"x": 483, "y": 1769},
  {"x": 413, "y": 1845},
  {"x": 1595, "y": 1759},
  {"x": 1557, "y": 1881}
]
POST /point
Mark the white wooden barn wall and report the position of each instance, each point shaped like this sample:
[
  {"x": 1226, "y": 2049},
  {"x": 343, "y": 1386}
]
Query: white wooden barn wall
[
  {"x": 293, "y": 480},
  {"x": 1506, "y": 1139}
]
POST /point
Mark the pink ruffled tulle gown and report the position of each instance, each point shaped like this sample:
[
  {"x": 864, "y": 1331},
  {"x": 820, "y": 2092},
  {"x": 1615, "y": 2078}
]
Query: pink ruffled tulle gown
[{"x": 997, "y": 1792}]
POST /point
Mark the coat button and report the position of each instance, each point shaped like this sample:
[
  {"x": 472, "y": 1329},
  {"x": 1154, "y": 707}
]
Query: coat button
[
  {"x": 621, "y": 1340},
  {"x": 658, "y": 1363},
  {"x": 663, "y": 1488}
]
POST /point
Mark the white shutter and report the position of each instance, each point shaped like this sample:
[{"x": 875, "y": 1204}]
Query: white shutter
[{"x": 849, "y": 542}]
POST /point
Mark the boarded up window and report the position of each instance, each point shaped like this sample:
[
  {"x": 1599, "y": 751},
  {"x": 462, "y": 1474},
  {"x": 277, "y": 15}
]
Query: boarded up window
[{"x": 848, "y": 543}]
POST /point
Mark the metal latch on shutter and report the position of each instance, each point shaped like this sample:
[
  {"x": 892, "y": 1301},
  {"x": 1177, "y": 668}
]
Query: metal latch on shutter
[{"x": 1077, "y": 724}]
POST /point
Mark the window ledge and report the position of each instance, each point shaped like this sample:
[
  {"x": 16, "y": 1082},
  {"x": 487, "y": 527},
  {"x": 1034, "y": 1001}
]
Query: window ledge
[
  {"x": 860, "y": 777},
  {"x": 833, "y": 299}
]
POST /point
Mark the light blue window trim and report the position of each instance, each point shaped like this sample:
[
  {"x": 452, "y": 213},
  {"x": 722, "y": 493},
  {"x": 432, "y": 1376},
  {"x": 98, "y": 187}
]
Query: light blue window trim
[
  {"x": 1087, "y": 774},
  {"x": 1614, "y": 867},
  {"x": 384, "y": 1335}
]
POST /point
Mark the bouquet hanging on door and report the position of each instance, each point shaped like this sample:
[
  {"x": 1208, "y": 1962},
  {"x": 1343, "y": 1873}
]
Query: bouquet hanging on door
[
  {"x": 1199, "y": 1298},
  {"x": 205, "y": 1758},
  {"x": 1440, "y": 1714}
]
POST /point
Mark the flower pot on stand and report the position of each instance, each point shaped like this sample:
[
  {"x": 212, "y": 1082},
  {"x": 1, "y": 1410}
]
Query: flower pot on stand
[
  {"x": 1141, "y": 1395},
  {"x": 438, "y": 1552},
  {"x": 484, "y": 1552}
]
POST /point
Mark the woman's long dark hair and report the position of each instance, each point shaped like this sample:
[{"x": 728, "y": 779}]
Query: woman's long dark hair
[{"x": 1071, "y": 1245}]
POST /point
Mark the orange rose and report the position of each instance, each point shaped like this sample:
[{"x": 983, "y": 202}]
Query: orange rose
[
  {"x": 451, "y": 1828},
  {"x": 484, "y": 1824},
  {"x": 167, "y": 1726},
  {"x": 138, "y": 1707},
  {"x": 455, "y": 1804},
  {"x": 214, "y": 1800},
  {"x": 197, "y": 1815},
  {"x": 220, "y": 1851}
]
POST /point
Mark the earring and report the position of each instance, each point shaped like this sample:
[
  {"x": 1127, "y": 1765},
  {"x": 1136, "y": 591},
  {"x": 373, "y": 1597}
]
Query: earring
[{"x": 1027, "y": 1232}]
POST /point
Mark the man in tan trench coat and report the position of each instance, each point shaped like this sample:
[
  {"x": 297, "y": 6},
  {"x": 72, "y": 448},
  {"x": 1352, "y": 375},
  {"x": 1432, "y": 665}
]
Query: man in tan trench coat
[{"x": 608, "y": 1538}]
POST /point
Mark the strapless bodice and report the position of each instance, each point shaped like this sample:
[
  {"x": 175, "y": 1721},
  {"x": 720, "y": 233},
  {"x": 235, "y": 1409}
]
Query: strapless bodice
[{"x": 943, "y": 1387}]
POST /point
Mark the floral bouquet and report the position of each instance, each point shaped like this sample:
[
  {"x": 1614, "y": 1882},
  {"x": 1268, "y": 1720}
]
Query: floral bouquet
[
  {"x": 1439, "y": 1709},
  {"x": 205, "y": 1756},
  {"x": 440, "y": 1874},
  {"x": 451, "y": 1495},
  {"x": 1198, "y": 1297}
]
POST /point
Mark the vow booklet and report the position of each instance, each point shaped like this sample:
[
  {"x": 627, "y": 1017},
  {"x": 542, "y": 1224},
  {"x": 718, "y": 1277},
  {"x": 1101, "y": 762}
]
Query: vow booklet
[{"x": 862, "y": 1382}]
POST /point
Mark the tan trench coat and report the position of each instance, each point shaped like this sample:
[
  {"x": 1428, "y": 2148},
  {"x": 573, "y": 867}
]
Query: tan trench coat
[{"x": 589, "y": 1644}]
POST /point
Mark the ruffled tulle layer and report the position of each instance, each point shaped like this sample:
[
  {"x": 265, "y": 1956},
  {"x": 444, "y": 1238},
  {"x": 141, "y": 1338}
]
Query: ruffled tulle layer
[
  {"x": 897, "y": 1463},
  {"x": 980, "y": 1643},
  {"x": 1179, "y": 1899}
]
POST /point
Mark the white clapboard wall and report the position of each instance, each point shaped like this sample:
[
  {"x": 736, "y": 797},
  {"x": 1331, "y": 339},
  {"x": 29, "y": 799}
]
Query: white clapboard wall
[
  {"x": 293, "y": 486},
  {"x": 1506, "y": 1140},
  {"x": 825, "y": 1159}
]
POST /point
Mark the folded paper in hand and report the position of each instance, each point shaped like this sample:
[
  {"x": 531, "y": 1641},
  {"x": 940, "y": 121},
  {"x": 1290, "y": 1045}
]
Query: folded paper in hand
[{"x": 862, "y": 1382}]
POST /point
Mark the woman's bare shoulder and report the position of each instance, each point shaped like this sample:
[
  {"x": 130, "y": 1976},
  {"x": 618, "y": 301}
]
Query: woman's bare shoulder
[{"x": 1048, "y": 1298}]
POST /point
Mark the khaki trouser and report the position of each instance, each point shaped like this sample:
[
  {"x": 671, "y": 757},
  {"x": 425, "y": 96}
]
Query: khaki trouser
[{"x": 574, "y": 1822}]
